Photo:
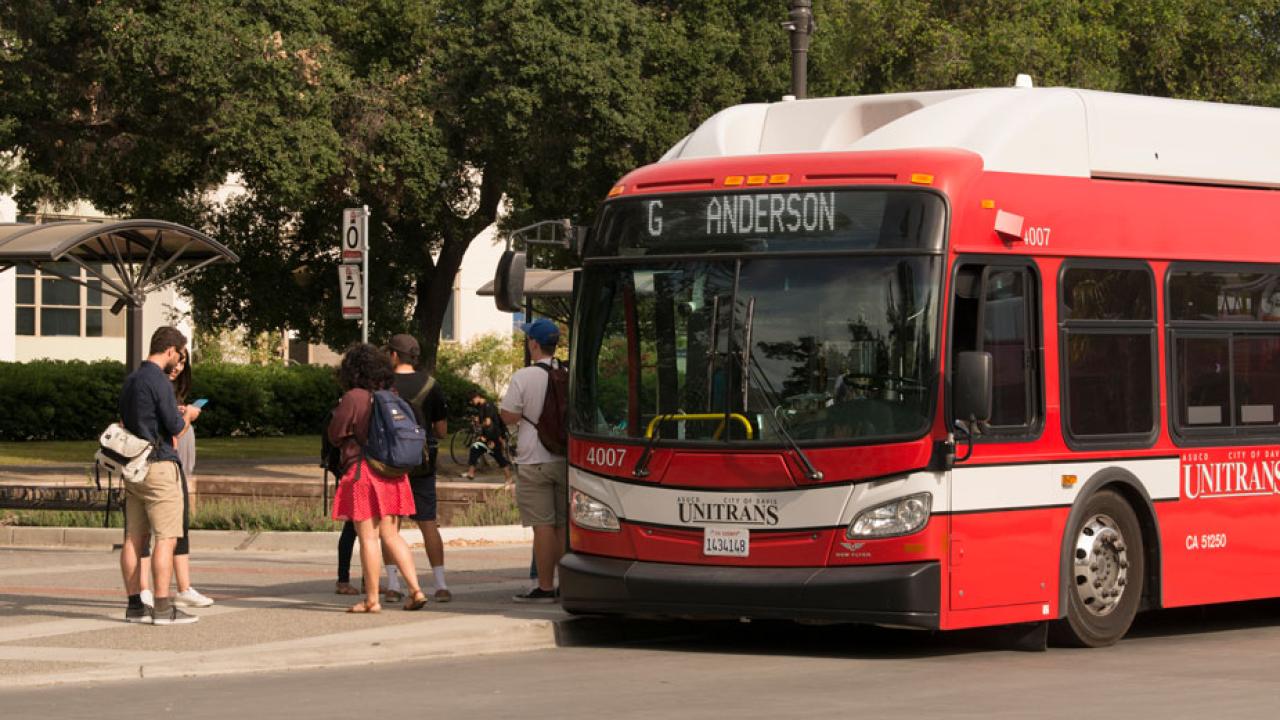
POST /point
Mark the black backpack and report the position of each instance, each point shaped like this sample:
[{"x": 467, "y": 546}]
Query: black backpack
[{"x": 330, "y": 454}]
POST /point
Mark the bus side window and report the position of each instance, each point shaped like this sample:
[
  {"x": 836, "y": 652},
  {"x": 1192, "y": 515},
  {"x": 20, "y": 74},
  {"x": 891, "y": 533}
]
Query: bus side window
[
  {"x": 1108, "y": 353},
  {"x": 996, "y": 311}
]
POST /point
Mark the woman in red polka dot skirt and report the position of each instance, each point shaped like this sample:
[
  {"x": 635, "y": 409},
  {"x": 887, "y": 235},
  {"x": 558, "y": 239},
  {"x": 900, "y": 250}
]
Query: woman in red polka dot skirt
[{"x": 372, "y": 501}]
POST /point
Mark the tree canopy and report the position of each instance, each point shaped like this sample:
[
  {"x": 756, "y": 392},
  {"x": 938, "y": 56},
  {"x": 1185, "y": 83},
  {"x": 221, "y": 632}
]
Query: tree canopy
[{"x": 432, "y": 112}]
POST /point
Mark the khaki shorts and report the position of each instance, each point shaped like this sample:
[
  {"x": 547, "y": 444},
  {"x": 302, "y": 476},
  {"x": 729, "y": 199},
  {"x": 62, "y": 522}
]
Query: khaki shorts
[
  {"x": 155, "y": 504},
  {"x": 542, "y": 493}
]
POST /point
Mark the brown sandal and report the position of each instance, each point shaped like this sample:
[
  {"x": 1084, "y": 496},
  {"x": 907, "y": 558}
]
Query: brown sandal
[
  {"x": 364, "y": 607},
  {"x": 345, "y": 589},
  {"x": 417, "y": 602}
]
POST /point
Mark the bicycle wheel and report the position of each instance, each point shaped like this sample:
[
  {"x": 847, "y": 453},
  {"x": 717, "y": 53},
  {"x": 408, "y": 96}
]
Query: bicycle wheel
[{"x": 460, "y": 447}]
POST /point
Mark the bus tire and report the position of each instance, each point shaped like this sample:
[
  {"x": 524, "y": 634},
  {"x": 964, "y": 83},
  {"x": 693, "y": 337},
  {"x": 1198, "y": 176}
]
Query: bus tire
[{"x": 1106, "y": 573}]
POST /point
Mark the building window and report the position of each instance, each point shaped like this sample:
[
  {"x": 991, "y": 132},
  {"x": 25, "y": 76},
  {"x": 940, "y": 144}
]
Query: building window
[
  {"x": 449, "y": 325},
  {"x": 1108, "y": 354},
  {"x": 50, "y": 303}
]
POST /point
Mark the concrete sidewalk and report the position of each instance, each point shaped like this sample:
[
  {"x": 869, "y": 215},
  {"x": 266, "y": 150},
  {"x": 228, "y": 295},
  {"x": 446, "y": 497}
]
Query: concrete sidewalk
[
  {"x": 209, "y": 540},
  {"x": 61, "y": 614}
]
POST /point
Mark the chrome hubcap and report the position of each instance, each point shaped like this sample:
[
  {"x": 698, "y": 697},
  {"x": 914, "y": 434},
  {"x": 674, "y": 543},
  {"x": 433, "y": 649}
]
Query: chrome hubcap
[{"x": 1101, "y": 565}]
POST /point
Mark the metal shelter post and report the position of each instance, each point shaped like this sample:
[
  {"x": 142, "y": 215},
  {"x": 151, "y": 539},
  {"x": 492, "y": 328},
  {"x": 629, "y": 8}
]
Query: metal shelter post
[{"x": 134, "y": 349}]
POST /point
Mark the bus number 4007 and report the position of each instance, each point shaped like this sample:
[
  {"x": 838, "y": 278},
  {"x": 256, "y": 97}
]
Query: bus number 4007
[
  {"x": 1036, "y": 236},
  {"x": 606, "y": 457}
]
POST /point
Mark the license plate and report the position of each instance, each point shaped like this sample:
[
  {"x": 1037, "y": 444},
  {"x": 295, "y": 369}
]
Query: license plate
[{"x": 726, "y": 542}]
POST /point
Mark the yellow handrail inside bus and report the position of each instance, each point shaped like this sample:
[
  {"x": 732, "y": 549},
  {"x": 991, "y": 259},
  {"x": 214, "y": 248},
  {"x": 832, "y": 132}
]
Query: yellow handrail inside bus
[{"x": 653, "y": 424}]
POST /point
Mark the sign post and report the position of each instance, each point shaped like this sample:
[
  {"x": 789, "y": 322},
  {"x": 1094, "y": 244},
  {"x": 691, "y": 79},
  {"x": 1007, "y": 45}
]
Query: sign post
[{"x": 352, "y": 281}]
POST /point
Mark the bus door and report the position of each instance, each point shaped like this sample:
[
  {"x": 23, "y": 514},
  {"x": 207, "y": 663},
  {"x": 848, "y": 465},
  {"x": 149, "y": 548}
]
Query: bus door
[{"x": 1001, "y": 549}]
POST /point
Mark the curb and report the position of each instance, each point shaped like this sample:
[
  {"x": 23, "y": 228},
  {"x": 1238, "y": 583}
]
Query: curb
[
  {"x": 224, "y": 540},
  {"x": 455, "y": 636}
]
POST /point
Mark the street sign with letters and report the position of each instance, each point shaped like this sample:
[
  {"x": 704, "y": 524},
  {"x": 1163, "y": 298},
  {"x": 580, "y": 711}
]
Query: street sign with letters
[
  {"x": 355, "y": 235},
  {"x": 350, "y": 289}
]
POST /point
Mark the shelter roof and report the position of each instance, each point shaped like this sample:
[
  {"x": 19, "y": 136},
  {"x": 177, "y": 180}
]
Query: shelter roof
[
  {"x": 540, "y": 284},
  {"x": 143, "y": 254}
]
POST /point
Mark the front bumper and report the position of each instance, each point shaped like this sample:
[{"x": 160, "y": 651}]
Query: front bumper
[{"x": 906, "y": 595}]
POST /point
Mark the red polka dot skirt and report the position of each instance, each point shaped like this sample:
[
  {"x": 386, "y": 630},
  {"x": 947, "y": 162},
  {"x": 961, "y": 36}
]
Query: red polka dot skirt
[{"x": 363, "y": 494}]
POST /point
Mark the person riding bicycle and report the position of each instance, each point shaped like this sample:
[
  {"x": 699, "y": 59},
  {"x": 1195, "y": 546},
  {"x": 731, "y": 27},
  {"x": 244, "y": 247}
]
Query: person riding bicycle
[{"x": 491, "y": 437}]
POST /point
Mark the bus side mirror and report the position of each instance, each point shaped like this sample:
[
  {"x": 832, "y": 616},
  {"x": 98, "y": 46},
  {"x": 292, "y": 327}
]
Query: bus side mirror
[
  {"x": 972, "y": 382},
  {"x": 508, "y": 282}
]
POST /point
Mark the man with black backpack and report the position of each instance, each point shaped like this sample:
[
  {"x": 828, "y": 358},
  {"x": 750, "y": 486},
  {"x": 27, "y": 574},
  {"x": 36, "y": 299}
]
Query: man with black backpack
[
  {"x": 536, "y": 402},
  {"x": 427, "y": 400}
]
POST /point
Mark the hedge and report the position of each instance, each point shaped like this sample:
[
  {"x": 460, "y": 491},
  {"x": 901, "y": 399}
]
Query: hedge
[{"x": 74, "y": 400}]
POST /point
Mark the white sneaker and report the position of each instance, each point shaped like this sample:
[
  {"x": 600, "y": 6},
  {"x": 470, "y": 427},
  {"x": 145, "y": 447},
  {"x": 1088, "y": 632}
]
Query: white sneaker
[
  {"x": 148, "y": 598},
  {"x": 192, "y": 598}
]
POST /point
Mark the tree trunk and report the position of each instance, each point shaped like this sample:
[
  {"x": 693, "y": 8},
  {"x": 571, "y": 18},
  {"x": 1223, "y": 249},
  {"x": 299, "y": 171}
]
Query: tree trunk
[
  {"x": 435, "y": 285},
  {"x": 435, "y": 288}
]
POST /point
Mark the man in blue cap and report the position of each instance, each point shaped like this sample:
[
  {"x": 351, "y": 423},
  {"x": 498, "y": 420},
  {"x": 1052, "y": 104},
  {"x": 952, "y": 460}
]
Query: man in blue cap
[{"x": 542, "y": 484}]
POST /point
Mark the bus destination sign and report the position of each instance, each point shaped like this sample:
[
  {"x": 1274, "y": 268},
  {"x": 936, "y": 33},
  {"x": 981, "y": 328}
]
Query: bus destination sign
[
  {"x": 757, "y": 214},
  {"x": 780, "y": 219}
]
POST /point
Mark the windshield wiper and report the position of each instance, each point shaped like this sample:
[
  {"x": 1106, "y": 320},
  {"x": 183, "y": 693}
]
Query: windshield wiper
[
  {"x": 642, "y": 465},
  {"x": 811, "y": 472}
]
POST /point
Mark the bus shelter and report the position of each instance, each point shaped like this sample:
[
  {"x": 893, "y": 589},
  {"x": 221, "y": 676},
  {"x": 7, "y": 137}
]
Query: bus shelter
[
  {"x": 129, "y": 258},
  {"x": 551, "y": 290}
]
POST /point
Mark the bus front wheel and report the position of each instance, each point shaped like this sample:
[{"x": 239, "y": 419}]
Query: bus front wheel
[{"x": 1105, "y": 575}]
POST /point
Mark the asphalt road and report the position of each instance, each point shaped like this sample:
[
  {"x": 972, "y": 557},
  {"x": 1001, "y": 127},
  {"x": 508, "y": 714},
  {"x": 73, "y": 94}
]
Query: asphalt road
[{"x": 1204, "y": 664}]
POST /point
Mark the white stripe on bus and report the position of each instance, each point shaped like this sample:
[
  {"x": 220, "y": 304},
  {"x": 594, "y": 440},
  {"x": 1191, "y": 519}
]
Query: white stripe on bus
[{"x": 971, "y": 489}]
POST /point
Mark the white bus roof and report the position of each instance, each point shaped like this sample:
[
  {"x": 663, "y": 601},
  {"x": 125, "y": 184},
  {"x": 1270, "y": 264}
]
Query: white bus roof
[{"x": 1044, "y": 131}]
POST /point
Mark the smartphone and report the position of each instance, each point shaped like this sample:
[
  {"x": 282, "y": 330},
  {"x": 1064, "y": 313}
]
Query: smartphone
[{"x": 200, "y": 403}]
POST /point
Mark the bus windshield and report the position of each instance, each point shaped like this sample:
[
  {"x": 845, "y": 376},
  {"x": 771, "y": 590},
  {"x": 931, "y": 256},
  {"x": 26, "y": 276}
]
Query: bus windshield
[{"x": 834, "y": 348}]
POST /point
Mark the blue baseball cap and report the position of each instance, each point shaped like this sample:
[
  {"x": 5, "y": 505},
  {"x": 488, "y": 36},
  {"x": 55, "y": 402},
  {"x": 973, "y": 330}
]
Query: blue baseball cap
[{"x": 542, "y": 330}]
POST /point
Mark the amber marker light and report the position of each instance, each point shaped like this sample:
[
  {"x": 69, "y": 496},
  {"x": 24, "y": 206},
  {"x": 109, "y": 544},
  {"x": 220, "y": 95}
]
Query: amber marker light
[
  {"x": 988, "y": 204},
  {"x": 757, "y": 179},
  {"x": 734, "y": 180},
  {"x": 1068, "y": 481},
  {"x": 922, "y": 178},
  {"x": 616, "y": 190},
  {"x": 779, "y": 179}
]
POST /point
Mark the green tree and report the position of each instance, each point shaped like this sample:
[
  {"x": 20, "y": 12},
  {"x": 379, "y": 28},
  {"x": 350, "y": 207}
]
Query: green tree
[
  {"x": 429, "y": 112},
  {"x": 1220, "y": 50},
  {"x": 436, "y": 112}
]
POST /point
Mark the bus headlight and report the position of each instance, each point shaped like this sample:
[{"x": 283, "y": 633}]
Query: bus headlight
[
  {"x": 592, "y": 514},
  {"x": 896, "y": 517}
]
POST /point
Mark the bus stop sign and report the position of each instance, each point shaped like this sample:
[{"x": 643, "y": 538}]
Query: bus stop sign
[{"x": 355, "y": 235}]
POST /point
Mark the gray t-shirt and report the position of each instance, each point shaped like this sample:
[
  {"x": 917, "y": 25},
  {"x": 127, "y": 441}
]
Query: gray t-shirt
[
  {"x": 187, "y": 452},
  {"x": 524, "y": 395}
]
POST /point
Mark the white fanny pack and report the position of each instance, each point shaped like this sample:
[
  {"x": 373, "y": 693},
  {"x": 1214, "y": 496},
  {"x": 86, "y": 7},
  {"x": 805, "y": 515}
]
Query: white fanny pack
[{"x": 122, "y": 453}]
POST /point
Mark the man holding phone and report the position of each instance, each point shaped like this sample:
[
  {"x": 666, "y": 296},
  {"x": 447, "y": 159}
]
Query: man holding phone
[{"x": 153, "y": 506}]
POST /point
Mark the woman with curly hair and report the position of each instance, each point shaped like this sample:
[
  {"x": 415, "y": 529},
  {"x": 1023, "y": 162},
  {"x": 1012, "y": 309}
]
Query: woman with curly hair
[{"x": 370, "y": 500}]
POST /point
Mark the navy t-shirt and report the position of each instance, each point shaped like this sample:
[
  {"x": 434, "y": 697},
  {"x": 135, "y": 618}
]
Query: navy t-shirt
[{"x": 149, "y": 409}]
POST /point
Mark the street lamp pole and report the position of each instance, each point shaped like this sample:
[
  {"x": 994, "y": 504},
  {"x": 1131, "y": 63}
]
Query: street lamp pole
[{"x": 801, "y": 26}]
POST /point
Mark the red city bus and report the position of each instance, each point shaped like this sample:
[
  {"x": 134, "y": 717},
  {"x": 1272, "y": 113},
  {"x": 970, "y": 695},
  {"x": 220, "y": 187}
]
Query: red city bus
[{"x": 934, "y": 360}]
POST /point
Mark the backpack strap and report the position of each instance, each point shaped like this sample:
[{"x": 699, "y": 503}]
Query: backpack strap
[
  {"x": 549, "y": 369},
  {"x": 423, "y": 393}
]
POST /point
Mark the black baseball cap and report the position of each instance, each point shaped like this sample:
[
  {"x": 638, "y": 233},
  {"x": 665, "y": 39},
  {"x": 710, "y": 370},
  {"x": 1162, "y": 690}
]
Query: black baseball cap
[{"x": 406, "y": 346}]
